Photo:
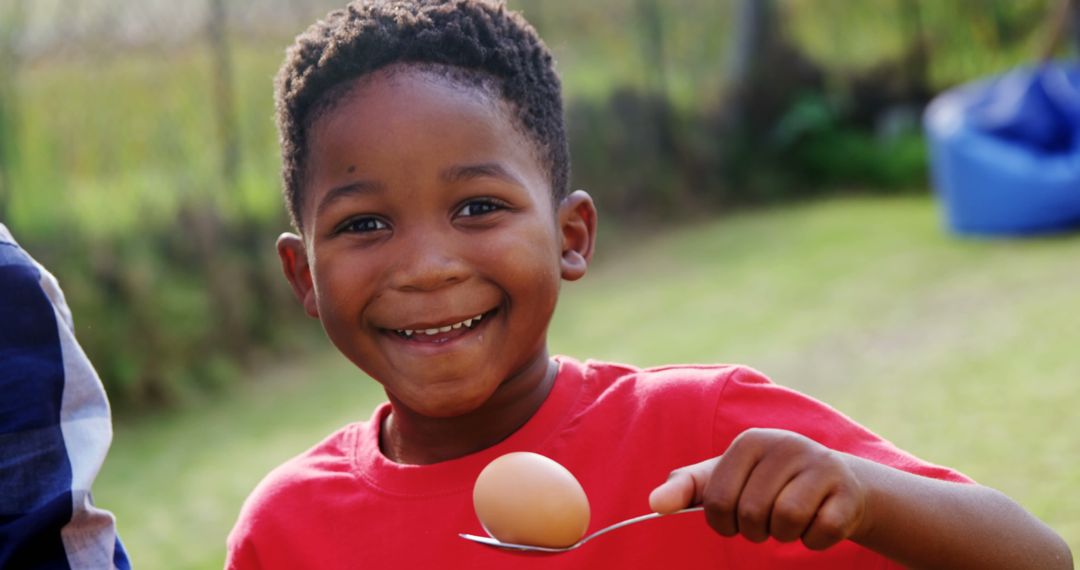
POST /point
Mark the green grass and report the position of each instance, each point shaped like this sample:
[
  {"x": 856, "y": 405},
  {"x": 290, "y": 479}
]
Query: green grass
[{"x": 961, "y": 351}]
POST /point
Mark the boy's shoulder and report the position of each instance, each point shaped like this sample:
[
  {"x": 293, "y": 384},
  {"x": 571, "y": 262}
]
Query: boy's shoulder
[
  {"x": 667, "y": 381},
  {"x": 688, "y": 396},
  {"x": 298, "y": 478},
  {"x": 723, "y": 401}
]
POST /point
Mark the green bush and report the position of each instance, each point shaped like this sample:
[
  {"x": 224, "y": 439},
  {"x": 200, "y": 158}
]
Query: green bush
[{"x": 171, "y": 313}]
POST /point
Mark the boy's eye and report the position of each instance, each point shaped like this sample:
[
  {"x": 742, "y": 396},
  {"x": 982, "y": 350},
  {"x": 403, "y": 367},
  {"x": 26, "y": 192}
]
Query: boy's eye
[
  {"x": 363, "y": 225},
  {"x": 480, "y": 207}
]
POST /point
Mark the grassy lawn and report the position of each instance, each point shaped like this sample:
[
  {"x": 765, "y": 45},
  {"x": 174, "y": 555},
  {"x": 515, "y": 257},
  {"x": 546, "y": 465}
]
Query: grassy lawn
[{"x": 961, "y": 351}]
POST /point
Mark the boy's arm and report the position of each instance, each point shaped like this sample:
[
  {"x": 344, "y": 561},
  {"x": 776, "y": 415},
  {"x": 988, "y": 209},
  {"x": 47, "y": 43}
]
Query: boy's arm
[
  {"x": 779, "y": 484},
  {"x": 927, "y": 523}
]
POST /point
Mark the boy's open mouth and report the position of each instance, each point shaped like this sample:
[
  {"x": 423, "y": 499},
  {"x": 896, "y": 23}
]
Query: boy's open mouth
[{"x": 443, "y": 333}]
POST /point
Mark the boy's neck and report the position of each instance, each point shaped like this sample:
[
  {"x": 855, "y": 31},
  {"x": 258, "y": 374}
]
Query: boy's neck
[{"x": 410, "y": 438}]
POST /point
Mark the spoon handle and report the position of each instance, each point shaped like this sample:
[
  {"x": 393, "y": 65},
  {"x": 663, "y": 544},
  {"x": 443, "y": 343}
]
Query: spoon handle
[
  {"x": 626, "y": 522},
  {"x": 489, "y": 541}
]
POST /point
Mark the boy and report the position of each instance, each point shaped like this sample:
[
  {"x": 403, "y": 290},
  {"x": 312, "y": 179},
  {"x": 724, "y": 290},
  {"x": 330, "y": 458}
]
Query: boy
[{"x": 426, "y": 171}]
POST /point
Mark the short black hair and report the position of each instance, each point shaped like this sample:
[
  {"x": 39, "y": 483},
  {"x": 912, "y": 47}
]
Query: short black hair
[{"x": 477, "y": 40}]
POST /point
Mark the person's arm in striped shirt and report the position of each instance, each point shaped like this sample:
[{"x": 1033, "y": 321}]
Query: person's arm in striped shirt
[{"x": 54, "y": 428}]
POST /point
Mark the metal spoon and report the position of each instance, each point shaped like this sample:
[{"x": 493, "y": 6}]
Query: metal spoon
[{"x": 493, "y": 542}]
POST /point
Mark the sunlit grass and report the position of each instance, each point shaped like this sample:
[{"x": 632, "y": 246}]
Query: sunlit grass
[{"x": 961, "y": 351}]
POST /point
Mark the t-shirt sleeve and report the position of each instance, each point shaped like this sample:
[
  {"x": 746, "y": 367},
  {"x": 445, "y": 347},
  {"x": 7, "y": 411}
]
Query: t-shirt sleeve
[
  {"x": 263, "y": 520},
  {"x": 749, "y": 399},
  {"x": 241, "y": 553}
]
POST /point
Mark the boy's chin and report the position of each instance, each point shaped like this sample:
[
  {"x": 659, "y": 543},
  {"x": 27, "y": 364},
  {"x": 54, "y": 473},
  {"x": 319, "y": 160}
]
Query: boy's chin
[{"x": 441, "y": 408}]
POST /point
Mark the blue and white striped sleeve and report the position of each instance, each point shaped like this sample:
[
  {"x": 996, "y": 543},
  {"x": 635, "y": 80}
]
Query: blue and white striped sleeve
[{"x": 54, "y": 428}]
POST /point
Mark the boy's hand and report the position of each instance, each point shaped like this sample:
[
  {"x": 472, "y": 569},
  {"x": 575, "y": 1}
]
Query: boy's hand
[{"x": 771, "y": 483}]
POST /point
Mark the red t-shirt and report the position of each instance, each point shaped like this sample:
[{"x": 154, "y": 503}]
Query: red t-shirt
[{"x": 619, "y": 429}]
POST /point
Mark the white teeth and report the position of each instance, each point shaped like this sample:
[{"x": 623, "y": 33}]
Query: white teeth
[{"x": 467, "y": 323}]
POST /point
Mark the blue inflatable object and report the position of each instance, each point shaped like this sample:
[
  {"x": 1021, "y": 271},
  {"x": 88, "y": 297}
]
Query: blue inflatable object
[{"x": 1005, "y": 152}]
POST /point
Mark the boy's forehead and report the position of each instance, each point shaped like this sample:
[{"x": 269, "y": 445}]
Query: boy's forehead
[
  {"x": 413, "y": 116},
  {"x": 370, "y": 106},
  {"x": 386, "y": 96},
  {"x": 415, "y": 75}
]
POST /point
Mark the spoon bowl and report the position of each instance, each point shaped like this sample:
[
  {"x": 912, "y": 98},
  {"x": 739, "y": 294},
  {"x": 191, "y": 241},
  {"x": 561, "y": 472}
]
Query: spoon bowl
[{"x": 496, "y": 543}]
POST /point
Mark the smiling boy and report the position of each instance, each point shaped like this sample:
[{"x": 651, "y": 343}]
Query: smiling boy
[
  {"x": 426, "y": 172},
  {"x": 433, "y": 255}
]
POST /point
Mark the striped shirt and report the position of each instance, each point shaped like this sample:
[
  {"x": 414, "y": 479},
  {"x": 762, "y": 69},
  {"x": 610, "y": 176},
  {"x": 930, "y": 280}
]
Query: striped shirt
[{"x": 54, "y": 428}]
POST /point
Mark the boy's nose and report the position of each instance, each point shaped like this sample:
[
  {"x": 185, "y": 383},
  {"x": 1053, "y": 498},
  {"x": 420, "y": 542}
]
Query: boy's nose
[{"x": 428, "y": 263}]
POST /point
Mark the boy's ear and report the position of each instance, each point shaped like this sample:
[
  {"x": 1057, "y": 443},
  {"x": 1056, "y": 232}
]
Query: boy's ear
[
  {"x": 577, "y": 221},
  {"x": 294, "y": 262}
]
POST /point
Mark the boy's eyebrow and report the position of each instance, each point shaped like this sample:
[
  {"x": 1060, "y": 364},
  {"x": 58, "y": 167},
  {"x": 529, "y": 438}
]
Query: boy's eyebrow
[
  {"x": 450, "y": 175},
  {"x": 351, "y": 189},
  {"x": 487, "y": 169}
]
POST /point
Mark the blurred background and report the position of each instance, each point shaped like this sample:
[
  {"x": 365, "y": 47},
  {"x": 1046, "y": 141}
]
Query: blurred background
[{"x": 762, "y": 179}]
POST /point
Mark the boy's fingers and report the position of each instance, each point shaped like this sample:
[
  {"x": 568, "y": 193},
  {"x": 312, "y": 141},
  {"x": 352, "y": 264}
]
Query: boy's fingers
[
  {"x": 780, "y": 495},
  {"x": 835, "y": 521},
  {"x": 724, "y": 492},
  {"x": 765, "y": 480},
  {"x": 796, "y": 507},
  {"x": 683, "y": 487}
]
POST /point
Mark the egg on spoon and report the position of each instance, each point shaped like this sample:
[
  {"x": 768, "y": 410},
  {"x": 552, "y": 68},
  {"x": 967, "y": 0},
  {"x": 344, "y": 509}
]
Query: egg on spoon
[{"x": 527, "y": 498}]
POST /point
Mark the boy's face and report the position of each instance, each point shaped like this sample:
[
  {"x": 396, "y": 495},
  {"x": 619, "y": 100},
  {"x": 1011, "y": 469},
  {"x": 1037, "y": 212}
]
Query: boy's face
[{"x": 423, "y": 209}]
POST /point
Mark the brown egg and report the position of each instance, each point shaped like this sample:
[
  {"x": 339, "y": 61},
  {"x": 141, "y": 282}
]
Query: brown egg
[{"x": 526, "y": 498}]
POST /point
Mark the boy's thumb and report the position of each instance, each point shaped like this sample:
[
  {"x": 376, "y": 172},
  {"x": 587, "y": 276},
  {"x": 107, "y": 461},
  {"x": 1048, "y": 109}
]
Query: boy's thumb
[{"x": 682, "y": 489}]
